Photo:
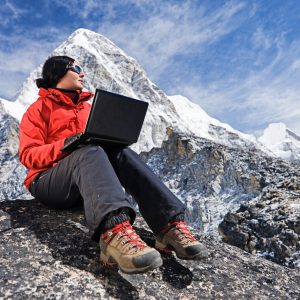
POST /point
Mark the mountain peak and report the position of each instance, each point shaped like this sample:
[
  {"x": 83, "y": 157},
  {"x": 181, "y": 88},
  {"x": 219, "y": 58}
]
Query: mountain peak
[
  {"x": 109, "y": 68},
  {"x": 85, "y": 35},
  {"x": 274, "y": 134},
  {"x": 93, "y": 42},
  {"x": 80, "y": 31},
  {"x": 282, "y": 141},
  {"x": 195, "y": 119}
]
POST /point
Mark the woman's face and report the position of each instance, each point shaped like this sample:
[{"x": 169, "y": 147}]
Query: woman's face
[{"x": 72, "y": 80}]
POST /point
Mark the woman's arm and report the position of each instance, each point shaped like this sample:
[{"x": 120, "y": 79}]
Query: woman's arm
[{"x": 34, "y": 153}]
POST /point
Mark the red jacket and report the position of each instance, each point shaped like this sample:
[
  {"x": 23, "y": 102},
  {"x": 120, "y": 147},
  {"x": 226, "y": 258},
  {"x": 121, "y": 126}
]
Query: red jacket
[{"x": 44, "y": 127}]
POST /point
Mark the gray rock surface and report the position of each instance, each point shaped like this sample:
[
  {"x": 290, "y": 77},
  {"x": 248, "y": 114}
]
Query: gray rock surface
[
  {"x": 213, "y": 179},
  {"x": 12, "y": 173},
  {"x": 268, "y": 225},
  {"x": 45, "y": 254}
]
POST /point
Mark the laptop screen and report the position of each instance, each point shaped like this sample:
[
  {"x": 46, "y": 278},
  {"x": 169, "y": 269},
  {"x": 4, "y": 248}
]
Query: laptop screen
[{"x": 116, "y": 117}]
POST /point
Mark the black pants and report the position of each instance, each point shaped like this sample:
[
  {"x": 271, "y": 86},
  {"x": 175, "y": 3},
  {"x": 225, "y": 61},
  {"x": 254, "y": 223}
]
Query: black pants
[{"x": 96, "y": 175}]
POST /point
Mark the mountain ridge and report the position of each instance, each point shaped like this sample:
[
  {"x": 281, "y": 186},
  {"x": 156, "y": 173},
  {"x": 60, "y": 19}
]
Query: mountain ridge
[{"x": 109, "y": 67}]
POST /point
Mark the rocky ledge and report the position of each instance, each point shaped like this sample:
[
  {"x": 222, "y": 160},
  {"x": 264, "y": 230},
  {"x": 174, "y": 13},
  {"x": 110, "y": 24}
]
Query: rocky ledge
[
  {"x": 47, "y": 254},
  {"x": 268, "y": 225}
]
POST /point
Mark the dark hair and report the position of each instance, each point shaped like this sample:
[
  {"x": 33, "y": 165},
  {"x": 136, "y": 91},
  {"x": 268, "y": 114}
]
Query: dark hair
[{"x": 54, "y": 69}]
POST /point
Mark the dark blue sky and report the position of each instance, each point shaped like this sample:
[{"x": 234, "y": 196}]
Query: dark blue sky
[{"x": 240, "y": 60}]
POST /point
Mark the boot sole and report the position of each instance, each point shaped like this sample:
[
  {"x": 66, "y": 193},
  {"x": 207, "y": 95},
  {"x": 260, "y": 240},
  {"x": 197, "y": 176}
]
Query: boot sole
[{"x": 109, "y": 261}]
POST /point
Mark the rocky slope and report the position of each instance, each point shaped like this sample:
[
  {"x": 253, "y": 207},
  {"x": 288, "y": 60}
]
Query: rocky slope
[
  {"x": 221, "y": 179},
  {"x": 270, "y": 224},
  {"x": 12, "y": 173},
  {"x": 45, "y": 254}
]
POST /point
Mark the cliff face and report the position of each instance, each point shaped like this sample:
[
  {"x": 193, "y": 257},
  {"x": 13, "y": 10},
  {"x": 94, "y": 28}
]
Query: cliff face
[
  {"x": 46, "y": 254},
  {"x": 12, "y": 173},
  {"x": 214, "y": 181}
]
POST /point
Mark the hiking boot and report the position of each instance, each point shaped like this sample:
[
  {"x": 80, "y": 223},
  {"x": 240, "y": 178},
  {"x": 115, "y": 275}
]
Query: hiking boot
[
  {"x": 177, "y": 237},
  {"x": 122, "y": 246}
]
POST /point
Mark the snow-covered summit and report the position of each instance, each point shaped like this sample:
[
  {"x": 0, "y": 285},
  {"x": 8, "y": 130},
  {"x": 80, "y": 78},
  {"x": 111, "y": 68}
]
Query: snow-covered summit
[
  {"x": 282, "y": 141},
  {"x": 108, "y": 67},
  {"x": 196, "y": 120}
]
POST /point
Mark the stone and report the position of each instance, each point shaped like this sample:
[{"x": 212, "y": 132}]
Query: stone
[
  {"x": 46, "y": 254},
  {"x": 5, "y": 223},
  {"x": 275, "y": 226}
]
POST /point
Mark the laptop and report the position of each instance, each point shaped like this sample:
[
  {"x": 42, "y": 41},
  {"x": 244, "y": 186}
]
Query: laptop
[{"x": 114, "y": 119}]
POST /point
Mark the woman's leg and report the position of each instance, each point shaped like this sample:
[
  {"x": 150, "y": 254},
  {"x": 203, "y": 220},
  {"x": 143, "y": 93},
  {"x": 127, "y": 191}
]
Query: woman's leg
[
  {"x": 156, "y": 202},
  {"x": 162, "y": 210},
  {"x": 87, "y": 173}
]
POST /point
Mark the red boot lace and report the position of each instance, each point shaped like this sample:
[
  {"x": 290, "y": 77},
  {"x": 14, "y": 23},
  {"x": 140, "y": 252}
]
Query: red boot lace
[
  {"x": 126, "y": 231},
  {"x": 182, "y": 227}
]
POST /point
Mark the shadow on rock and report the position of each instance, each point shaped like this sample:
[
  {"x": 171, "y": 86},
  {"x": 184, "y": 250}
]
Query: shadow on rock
[
  {"x": 56, "y": 230},
  {"x": 173, "y": 272},
  {"x": 62, "y": 231}
]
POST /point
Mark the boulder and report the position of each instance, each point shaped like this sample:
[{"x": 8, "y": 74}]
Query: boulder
[{"x": 269, "y": 224}]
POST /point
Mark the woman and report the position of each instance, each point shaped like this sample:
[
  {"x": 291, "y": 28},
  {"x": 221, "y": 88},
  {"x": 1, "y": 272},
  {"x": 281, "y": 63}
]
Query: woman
[{"x": 96, "y": 174}]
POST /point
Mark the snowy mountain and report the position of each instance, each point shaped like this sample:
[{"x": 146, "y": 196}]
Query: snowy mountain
[
  {"x": 108, "y": 67},
  {"x": 282, "y": 141},
  {"x": 194, "y": 119},
  {"x": 14, "y": 108}
]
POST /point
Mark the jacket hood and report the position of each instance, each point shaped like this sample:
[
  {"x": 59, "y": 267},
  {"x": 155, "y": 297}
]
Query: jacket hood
[{"x": 59, "y": 97}]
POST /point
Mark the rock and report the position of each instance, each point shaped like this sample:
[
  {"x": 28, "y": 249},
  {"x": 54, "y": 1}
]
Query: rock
[
  {"x": 232, "y": 236},
  {"x": 5, "y": 223},
  {"x": 47, "y": 254},
  {"x": 12, "y": 173},
  {"x": 280, "y": 250},
  {"x": 212, "y": 179},
  {"x": 289, "y": 237},
  {"x": 274, "y": 225}
]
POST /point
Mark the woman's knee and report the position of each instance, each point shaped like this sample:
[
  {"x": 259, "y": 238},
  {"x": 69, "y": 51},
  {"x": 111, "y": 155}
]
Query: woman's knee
[
  {"x": 127, "y": 153},
  {"x": 88, "y": 150},
  {"x": 116, "y": 153}
]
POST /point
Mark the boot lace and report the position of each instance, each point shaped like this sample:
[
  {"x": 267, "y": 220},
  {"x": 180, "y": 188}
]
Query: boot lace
[
  {"x": 127, "y": 234},
  {"x": 183, "y": 230}
]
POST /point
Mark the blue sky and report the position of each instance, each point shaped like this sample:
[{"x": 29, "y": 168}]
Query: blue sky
[{"x": 240, "y": 60}]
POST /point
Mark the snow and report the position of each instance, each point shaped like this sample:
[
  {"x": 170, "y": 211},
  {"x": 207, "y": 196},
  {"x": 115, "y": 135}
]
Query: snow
[
  {"x": 195, "y": 119},
  {"x": 282, "y": 141},
  {"x": 295, "y": 205},
  {"x": 108, "y": 67},
  {"x": 15, "y": 109},
  {"x": 274, "y": 134}
]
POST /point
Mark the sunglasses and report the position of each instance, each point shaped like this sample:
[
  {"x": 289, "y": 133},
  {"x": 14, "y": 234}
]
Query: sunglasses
[{"x": 77, "y": 69}]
